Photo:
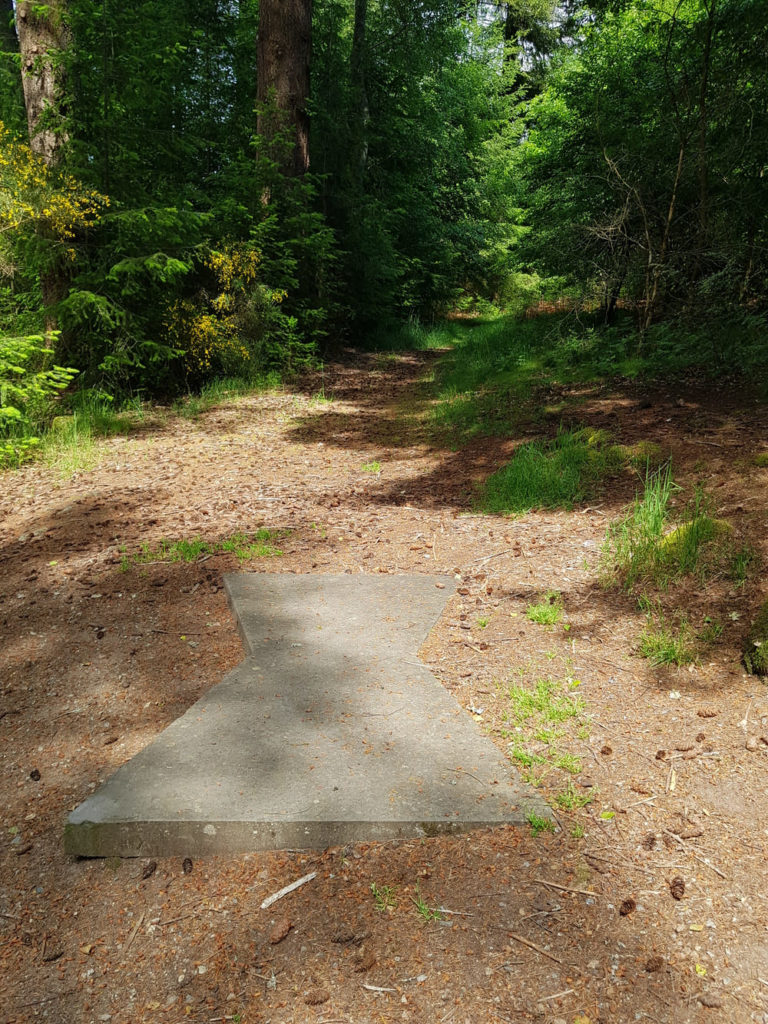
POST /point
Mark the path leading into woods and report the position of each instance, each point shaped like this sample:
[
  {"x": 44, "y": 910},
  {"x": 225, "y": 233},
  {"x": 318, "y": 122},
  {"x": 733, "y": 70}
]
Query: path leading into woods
[{"x": 96, "y": 661}]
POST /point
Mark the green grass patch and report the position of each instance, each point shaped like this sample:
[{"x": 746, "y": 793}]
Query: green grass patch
[
  {"x": 571, "y": 799},
  {"x": 243, "y": 546},
  {"x": 224, "y": 389},
  {"x": 384, "y": 896},
  {"x": 538, "y": 719},
  {"x": 371, "y": 467},
  {"x": 664, "y": 644},
  {"x": 539, "y": 824},
  {"x": 547, "y": 701},
  {"x": 548, "y": 610},
  {"x": 572, "y": 467},
  {"x": 643, "y": 546}
]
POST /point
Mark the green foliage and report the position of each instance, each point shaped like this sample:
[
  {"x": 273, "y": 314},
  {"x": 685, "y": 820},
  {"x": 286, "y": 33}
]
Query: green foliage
[
  {"x": 663, "y": 644},
  {"x": 28, "y": 381},
  {"x": 640, "y": 547},
  {"x": 385, "y": 897},
  {"x": 570, "y": 799},
  {"x": 551, "y": 474},
  {"x": 546, "y": 701},
  {"x": 539, "y": 824},
  {"x": 755, "y": 652},
  {"x": 640, "y": 174},
  {"x": 244, "y": 546},
  {"x": 548, "y": 610}
]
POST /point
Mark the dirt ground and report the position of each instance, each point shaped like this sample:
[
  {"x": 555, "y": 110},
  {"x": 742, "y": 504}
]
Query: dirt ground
[{"x": 98, "y": 657}]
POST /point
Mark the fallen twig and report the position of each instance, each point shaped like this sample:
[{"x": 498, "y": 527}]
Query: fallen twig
[
  {"x": 532, "y": 945},
  {"x": 695, "y": 856},
  {"x": 487, "y": 558},
  {"x": 134, "y": 933},
  {"x": 286, "y": 889},
  {"x": 564, "y": 888},
  {"x": 557, "y": 995},
  {"x": 378, "y": 988}
]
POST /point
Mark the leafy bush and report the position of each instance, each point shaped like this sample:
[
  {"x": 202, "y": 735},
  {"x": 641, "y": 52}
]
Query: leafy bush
[{"x": 27, "y": 382}]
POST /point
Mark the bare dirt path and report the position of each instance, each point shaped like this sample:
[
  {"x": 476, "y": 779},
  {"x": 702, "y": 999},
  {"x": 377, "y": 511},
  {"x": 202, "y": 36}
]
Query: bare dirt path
[{"x": 99, "y": 654}]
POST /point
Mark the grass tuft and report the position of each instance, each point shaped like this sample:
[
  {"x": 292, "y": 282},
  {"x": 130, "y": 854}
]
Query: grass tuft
[
  {"x": 539, "y": 824},
  {"x": 640, "y": 547},
  {"x": 242, "y": 545},
  {"x": 552, "y": 474},
  {"x": 664, "y": 645},
  {"x": 548, "y": 610}
]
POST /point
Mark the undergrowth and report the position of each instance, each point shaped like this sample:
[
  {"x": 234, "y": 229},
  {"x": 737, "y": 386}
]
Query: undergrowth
[
  {"x": 242, "y": 545},
  {"x": 643, "y": 546},
  {"x": 553, "y": 474}
]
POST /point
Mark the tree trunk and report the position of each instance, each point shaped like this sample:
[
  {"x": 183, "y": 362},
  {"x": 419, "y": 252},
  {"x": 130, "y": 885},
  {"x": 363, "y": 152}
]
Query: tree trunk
[
  {"x": 43, "y": 38},
  {"x": 359, "y": 43},
  {"x": 284, "y": 48},
  {"x": 703, "y": 154}
]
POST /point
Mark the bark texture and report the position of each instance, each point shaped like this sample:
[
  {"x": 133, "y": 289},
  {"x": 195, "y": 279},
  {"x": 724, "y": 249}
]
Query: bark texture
[
  {"x": 283, "y": 62},
  {"x": 43, "y": 38}
]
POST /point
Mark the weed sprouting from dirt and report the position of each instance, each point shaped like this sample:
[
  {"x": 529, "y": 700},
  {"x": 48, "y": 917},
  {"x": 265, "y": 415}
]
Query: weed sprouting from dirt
[
  {"x": 426, "y": 912},
  {"x": 664, "y": 644},
  {"x": 385, "y": 896},
  {"x": 548, "y": 610},
  {"x": 539, "y": 824},
  {"x": 242, "y": 545},
  {"x": 641, "y": 548}
]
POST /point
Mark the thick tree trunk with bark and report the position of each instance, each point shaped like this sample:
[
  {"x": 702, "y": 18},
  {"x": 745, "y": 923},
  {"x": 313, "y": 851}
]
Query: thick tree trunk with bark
[
  {"x": 283, "y": 61},
  {"x": 43, "y": 38}
]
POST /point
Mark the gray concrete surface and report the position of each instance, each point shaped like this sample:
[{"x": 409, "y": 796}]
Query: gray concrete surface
[{"x": 331, "y": 731}]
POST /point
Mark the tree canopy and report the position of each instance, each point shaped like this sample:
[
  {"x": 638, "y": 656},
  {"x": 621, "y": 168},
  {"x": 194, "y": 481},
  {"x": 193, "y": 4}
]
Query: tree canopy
[{"x": 248, "y": 183}]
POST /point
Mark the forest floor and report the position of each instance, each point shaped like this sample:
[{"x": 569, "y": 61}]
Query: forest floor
[{"x": 648, "y": 903}]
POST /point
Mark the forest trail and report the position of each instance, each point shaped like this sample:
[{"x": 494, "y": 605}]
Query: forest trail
[{"x": 106, "y": 642}]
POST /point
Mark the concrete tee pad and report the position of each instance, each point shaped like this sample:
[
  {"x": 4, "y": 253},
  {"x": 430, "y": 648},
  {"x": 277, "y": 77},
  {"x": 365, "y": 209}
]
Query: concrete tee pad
[{"x": 330, "y": 732}]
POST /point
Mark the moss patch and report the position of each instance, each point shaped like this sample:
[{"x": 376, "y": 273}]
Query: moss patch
[
  {"x": 761, "y": 460},
  {"x": 756, "y": 645}
]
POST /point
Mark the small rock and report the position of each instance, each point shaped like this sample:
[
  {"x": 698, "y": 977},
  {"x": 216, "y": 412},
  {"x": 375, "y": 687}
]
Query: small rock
[
  {"x": 21, "y": 850},
  {"x": 711, "y": 1001},
  {"x": 365, "y": 962},
  {"x": 280, "y": 930},
  {"x": 751, "y": 743}
]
